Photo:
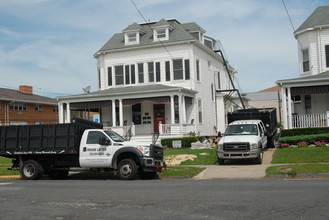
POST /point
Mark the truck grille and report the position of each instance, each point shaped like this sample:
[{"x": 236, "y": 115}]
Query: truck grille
[
  {"x": 157, "y": 152},
  {"x": 236, "y": 147}
]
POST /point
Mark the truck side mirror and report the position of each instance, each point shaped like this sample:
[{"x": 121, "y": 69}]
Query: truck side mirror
[{"x": 104, "y": 141}]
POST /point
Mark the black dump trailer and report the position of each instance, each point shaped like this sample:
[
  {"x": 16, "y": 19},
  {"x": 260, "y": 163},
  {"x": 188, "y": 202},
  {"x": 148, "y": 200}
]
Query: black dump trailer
[
  {"x": 37, "y": 139},
  {"x": 266, "y": 115}
]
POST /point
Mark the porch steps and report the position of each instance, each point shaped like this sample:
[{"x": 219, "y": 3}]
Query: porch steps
[
  {"x": 142, "y": 138},
  {"x": 148, "y": 138}
]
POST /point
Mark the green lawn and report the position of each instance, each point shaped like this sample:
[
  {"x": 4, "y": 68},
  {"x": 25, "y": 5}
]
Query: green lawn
[
  {"x": 301, "y": 155},
  {"x": 6, "y": 163},
  {"x": 306, "y": 159}
]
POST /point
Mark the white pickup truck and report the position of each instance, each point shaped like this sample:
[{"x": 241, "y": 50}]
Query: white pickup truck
[{"x": 243, "y": 139}]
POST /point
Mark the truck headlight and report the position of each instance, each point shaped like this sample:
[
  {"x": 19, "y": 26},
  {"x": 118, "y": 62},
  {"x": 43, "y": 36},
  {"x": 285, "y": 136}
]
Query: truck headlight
[
  {"x": 220, "y": 146},
  {"x": 254, "y": 146},
  {"x": 145, "y": 150}
]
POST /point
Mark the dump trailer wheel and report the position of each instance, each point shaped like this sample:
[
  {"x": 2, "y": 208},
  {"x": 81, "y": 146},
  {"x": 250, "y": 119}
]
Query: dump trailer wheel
[
  {"x": 31, "y": 170},
  {"x": 127, "y": 169}
]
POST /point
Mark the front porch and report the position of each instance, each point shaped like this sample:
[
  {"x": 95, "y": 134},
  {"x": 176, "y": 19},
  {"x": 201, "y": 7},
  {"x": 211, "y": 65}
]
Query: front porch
[{"x": 158, "y": 110}]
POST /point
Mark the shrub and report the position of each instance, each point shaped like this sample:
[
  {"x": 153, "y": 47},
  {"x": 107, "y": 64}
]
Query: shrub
[
  {"x": 294, "y": 140},
  {"x": 303, "y": 131},
  {"x": 302, "y": 144},
  {"x": 186, "y": 141}
]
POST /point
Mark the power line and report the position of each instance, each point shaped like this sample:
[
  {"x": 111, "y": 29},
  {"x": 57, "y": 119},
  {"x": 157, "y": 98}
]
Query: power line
[
  {"x": 150, "y": 27},
  {"x": 292, "y": 25}
]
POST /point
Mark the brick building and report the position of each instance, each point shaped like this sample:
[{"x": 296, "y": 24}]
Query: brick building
[{"x": 22, "y": 107}]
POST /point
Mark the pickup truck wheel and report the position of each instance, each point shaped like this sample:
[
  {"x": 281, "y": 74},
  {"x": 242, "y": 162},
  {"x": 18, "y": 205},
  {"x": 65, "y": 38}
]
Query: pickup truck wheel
[
  {"x": 259, "y": 159},
  {"x": 148, "y": 175},
  {"x": 127, "y": 169},
  {"x": 31, "y": 170},
  {"x": 221, "y": 161}
]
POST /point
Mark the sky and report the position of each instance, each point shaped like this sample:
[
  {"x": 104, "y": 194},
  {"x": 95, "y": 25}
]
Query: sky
[{"x": 50, "y": 44}]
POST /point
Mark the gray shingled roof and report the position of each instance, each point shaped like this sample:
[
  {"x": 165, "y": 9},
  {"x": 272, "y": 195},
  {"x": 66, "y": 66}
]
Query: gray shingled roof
[
  {"x": 131, "y": 90},
  {"x": 320, "y": 17},
  {"x": 319, "y": 77},
  {"x": 178, "y": 34},
  {"x": 14, "y": 95}
]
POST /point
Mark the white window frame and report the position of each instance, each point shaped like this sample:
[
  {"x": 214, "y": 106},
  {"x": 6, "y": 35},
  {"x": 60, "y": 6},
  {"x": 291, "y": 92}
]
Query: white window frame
[{"x": 200, "y": 111}]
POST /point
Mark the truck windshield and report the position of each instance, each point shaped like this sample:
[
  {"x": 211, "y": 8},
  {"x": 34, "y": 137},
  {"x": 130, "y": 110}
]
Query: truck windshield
[
  {"x": 243, "y": 129},
  {"x": 114, "y": 136}
]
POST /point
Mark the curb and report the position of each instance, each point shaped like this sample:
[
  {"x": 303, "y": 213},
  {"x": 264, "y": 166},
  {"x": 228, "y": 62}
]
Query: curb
[
  {"x": 298, "y": 176},
  {"x": 12, "y": 177}
]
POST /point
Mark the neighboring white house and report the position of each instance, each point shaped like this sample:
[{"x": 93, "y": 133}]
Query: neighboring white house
[
  {"x": 158, "y": 77},
  {"x": 305, "y": 100}
]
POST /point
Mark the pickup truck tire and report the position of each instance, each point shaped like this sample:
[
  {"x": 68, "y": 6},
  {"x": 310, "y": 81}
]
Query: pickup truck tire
[
  {"x": 221, "y": 161},
  {"x": 259, "y": 159},
  {"x": 127, "y": 169},
  {"x": 58, "y": 174},
  {"x": 148, "y": 175},
  {"x": 31, "y": 170}
]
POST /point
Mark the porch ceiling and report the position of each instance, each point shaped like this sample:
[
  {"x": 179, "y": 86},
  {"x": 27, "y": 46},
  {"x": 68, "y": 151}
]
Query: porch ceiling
[{"x": 130, "y": 92}]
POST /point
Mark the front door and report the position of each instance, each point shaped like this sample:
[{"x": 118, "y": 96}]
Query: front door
[{"x": 159, "y": 116}]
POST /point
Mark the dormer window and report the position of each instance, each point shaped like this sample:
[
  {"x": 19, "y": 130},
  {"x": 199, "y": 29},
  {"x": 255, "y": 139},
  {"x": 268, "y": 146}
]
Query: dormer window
[
  {"x": 131, "y": 38},
  {"x": 161, "y": 34},
  {"x": 132, "y": 34}
]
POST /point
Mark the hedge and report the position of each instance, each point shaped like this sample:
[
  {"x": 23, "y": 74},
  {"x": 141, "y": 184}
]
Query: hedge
[
  {"x": 186, "y": 141},
  {"x": 312, "y": 138},
  {"x": 304, "y": 131}
]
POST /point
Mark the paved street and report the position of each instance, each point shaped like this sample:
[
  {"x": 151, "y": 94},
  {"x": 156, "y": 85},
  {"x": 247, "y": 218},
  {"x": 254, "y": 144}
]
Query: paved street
[
  {"x": 239, "y": 169},
  {"x": 166, "y": 199}
]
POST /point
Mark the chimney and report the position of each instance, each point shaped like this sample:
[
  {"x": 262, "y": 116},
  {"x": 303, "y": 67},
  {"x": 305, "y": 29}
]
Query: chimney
[{"x": 26, "y": 90}]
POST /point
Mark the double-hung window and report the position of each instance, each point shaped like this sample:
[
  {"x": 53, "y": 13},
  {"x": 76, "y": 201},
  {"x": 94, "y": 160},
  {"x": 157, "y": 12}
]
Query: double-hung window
[{"x": 306, "y": 60}]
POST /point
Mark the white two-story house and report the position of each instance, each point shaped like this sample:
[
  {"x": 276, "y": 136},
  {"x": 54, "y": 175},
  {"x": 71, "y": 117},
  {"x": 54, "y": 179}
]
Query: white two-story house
[
  {"x": 305, "y": 100},
  {"x": 157, "y": 77}
]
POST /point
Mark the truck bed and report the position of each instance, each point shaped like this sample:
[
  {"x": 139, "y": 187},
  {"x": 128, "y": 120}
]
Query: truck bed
[{"x": 43, "y": 139}]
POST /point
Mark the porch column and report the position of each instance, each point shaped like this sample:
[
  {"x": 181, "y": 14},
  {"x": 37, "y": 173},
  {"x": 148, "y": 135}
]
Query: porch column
[
  {"x": 114, "y": 119},
  {"x": 180, "y": 114},
  {"x": 68, "y": 113},
  {"x": 284, "y": 107},
  {"x": 60, "y": 113},
  {"x": 184, "y": 110},
  {"x": 328, "y": 118},
  {"x": 289, "y": 109},
  {"x": 120, "y": 112},
  {"x": 172, "y": 109}
]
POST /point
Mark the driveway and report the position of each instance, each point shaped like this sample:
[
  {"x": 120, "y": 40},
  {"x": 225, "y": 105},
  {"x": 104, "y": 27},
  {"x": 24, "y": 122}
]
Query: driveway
[{"x": 238, "y": 169}]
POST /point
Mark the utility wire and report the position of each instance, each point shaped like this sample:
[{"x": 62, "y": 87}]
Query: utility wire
[
  {"x": 292, "y": 25},
  {"x": 150, "y": 27}
]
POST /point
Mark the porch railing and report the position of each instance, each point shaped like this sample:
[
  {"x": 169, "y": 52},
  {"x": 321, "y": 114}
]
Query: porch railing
[
  {"x": 310, "y": 120},
  {"x": 176, "y": 129}
]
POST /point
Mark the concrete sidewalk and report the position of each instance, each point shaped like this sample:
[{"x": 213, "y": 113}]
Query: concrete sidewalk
[{"x": 238, "y": 169}]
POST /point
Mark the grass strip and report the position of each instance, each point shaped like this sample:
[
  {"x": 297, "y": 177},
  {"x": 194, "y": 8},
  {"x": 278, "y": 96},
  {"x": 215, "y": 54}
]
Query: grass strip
[
  {"x": 182, "y": 171},
  {"x": 293, "y": 170}
]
